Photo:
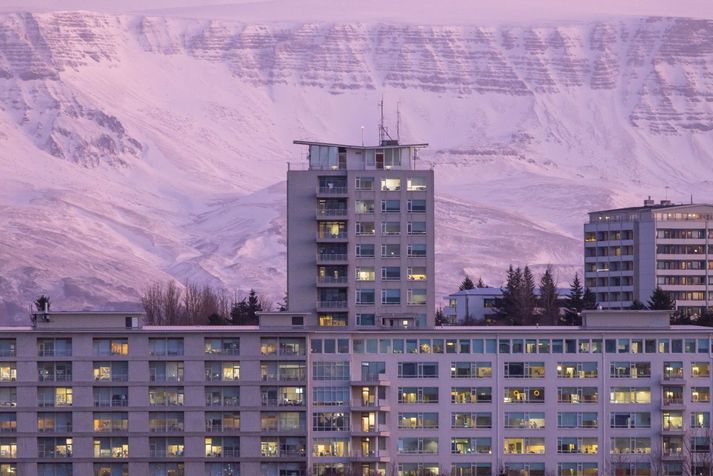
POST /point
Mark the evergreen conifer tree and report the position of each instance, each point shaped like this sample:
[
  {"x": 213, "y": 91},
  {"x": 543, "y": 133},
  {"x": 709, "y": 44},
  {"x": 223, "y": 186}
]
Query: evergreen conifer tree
[
  {"x": 467, "y": 283},
  {"x": 660, "y": 300},
  {"x": 574, "y": 302},
  {"x": 527, "y": 301},
  {"x": 589, "y": 300},
  {"x": 548, "y": 299},
  {"x": 481, "y": 283}
]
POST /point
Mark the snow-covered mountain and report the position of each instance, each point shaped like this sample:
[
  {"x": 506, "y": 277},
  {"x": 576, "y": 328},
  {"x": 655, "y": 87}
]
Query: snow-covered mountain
[{"x": 136, "y": 148}]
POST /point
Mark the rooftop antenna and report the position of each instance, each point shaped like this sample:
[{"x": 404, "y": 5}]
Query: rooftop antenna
[
  {"x": 666, "y": 188},
  {"x": 383, "y": 132},
  {"x": 691, "y": 199},
  {"x": 362, "y": 136},
  {"x": 398, "y": 121}
]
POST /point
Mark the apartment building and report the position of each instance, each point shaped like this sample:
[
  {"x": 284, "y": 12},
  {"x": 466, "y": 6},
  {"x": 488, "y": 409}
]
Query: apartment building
[
  {"x": 98, "y": 393},
  {"x": 628, "y": 252},
  {"x": 360, "y": 241}
]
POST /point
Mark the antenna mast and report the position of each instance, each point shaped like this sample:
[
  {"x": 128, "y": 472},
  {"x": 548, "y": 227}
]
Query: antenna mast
[
  {"x": 398, "y": 122},
  {"x": 383, "y": 132}
]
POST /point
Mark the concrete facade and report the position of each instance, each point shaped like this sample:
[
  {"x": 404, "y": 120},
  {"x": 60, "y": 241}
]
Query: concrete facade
[{"x": 628, "y": 252}]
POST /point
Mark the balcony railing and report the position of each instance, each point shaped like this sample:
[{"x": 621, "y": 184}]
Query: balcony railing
[
  {"x": 331, "y": 279},
  {"x": 56, "y": 377},
  {"x": 62, "y": 428},
  {"x": 331, "y": 304},
  {"x": 163, "y": 453},
  {"x": 225, "y": 402},
  {"x": 331, "y": 236},
  {"x": 53, "y": 453},
  {"x": 330, "y": 257},
  {"x": 223, "y": 453},
  {"x": 332, "y": 190},
  {"x": 111, "y": 402},
  {"x": 337, "y": 212}
]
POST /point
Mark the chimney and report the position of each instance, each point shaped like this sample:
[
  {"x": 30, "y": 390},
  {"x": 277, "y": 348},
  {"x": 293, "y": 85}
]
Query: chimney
[{"x": 648, "y": 202}]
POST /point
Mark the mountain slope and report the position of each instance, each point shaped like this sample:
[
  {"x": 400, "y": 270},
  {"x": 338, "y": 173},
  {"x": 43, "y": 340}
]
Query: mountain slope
[{"x": 135, "y": 148}]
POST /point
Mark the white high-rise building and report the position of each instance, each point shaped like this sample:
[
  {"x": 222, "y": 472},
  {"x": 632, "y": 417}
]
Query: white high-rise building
[{"x": 628, "y": 252}]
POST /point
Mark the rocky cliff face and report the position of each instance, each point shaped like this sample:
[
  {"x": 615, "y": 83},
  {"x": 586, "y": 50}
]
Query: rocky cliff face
[{"x": 139, "y": 148}]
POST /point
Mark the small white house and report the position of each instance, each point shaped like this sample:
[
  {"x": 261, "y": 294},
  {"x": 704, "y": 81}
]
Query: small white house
[{"x": 478, "y": 303}]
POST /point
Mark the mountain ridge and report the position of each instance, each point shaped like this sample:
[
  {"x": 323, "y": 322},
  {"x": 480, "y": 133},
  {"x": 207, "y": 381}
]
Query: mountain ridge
[{"x": 136, "y": 148}]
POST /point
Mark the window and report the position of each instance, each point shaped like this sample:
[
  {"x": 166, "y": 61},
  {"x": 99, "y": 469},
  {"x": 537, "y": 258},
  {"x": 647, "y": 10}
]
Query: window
[
  {"x": 525, "y": 420},
  {"x": 627, "y": 445},
  {"x": 416, "y": 184},
  {"x": 577, "y": 420},
  {"x": 630, "y": 370},
  {"x": 365, "y": 296},
  {"x": 465, "y": 395},
  {"x": 282, "y": 421},
  {"x": 166, "y": 346},
  {"x": 418, "y": 395},
  {"x": 8, "y": 423},
  {"x": 107, "y": 422},
  {"x": 577, "y": 395},
  {"x": 222, "y": 396},
  {"x": 114, "y": 346},
  {"x": 8, "y": 397},
  {"x": 390, "y": 228},
  {"x": 328, "y": 396},
  {"x": 390, "y": 206},
  {"x": 222, "y": 371},
  {"x": 530, "y": 445},
  {"x": 165, "y": 422},
  {"x": 330, "y": 370},
  {"x": 672, "y": 420},
  {"x": 111, "y": 448},
  {"x": 700, "y": 394},
  {"x": 577, "y": 370},
  {"x": 416, "y": 250},
  {"x": 366, "y": 319},
  {"x": 524, "y": 395},
  {"x": 417, "y": 273},
  {"x": 364, "y": 183},
  {"x": 418, "y": 370},
  {"x": 390, "y": 251},
  {"x": 54, "y": 447},
  {"x": 417, "y": 445},
  {"x": 279, "y": 371},
  {"x": 282, "y": 396},
  {"x": 413, "y": 421},
  {"x": 365, "y": 228},
  {"x": 417, "y": 469},
  {"x": 53, "y": 371},
  {"x": 471, "y": 370},
  {"x": 49, "y": 347},
  {"x": 111, "y": 371},
  {"x": 110, "y": 469},
  {"x": 390, "y": 184},
  {"x": 364, "y": 206},
  {"x": 365, "y": 273},
  {"x": 330, "y": 421},
  {"x": 54, "y": 396},
  {"x": 111, "y": 397},
  {"x": 416, "y": 297},
  {"x": 524, "y": 370},
  {"x": 479, "y": 420},
  {"x": 169, "y": 469},
  {"x": 218, "y": 345},
  {"x": 166, "y": 371},
  {"x": 165, "y": 396},
  {"x": 166, "y": 447},
  {"x": 330, "y": 447},
  {"x": 700, "y": 369},
  {"x": 417, "y": 228},
  {"x": 672, "y": 370},
  {"x": 417, "y": 206},
  {"x": 364, "y": 250},
  {"x": 569, "y": 445},
  {"x": 390, "y": 273},
  {"x": 8, "y": 372},
  {"x": 222, "y": 446},
  {"x": 700, "y": 419},
  {"x": 630, "y": 395},
  {"x": 390, "y": 296}
]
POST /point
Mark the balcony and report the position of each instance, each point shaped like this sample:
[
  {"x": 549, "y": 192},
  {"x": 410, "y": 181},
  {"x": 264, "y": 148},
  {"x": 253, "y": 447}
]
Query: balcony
[
  {"x": 672, "y": 402},
  {"x": 332, "y": 258},
  {"x": 223, "y": 453},
  {"x": 359, "y": 405},
  {"x": 331, "y": 237},
  {"x": 370, "y": 430},
  {"x": 371, "y": 380},
  {"x": 330, "y": 213},
  {"x": 373, "y": 456},
  {"x": 673, "y": 429},
  {"x": 323, "y": 305},
  {"x": 333, "y": 191},
  {"x": 673, "y": 377},
  {"x": 55, "y": 377},
  {"x": 331, "y": 280}
]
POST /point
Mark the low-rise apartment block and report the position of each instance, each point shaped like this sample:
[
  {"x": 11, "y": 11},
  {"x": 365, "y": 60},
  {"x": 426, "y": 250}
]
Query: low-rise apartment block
[{"x": 625, "y": 393}]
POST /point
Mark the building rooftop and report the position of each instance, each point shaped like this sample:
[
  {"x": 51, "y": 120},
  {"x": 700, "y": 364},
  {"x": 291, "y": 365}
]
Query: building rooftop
[{"x": 384, "y": 145}]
